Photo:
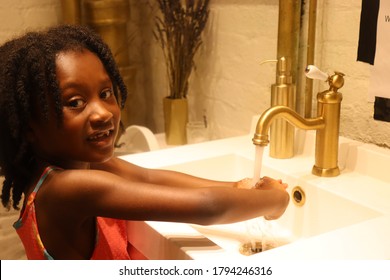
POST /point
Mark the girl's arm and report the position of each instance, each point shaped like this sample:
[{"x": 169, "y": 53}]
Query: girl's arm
[
  {"x": 133, "y": 172},
  {"x": 80, "y": 194}
]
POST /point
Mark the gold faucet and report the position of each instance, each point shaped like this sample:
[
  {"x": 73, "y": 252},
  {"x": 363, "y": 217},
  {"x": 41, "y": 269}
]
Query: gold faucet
[{"x": 326, "y": 124}]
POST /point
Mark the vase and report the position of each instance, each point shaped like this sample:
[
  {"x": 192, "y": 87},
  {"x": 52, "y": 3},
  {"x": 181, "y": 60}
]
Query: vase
[{"x": 175, "y": 120}]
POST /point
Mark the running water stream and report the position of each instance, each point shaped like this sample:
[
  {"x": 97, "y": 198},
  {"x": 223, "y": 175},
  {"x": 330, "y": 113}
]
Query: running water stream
[
  {"x": 263, "y": 234},
  {"x": 258, "y": 163},
  {"x": 256, "y": 227}
]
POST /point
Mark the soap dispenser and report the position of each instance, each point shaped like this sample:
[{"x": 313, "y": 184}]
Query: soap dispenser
[{"x": 282, "y": 133}]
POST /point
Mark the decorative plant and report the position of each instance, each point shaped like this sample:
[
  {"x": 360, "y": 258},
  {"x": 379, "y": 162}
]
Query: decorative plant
[{"x": 178, "y": 30}]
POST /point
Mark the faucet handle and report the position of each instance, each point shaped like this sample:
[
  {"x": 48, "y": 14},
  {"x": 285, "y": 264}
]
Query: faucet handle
[{"x": 312, "y": 72}]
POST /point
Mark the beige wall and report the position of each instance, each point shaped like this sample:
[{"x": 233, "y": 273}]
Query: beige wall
[{"x": 229, "y": 84}]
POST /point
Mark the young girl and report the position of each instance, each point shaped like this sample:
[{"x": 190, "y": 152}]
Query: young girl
[{"x": 60, "y": 99}]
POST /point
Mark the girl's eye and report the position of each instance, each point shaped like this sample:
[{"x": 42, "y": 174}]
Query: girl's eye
[
  {"x": 106, "y": 94},
  {"x": 76, "y": 103}
]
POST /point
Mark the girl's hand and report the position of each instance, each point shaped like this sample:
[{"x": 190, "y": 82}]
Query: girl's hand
[
  {"x": 267, "y": 183},
  {"x": 278, "y": 189},
  {"x": 264, "y": 183}
]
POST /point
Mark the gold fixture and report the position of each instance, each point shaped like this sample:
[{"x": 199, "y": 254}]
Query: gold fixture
[
  {"x": 109, "y": 18},
  {"x": 289, "y": 45},
  {"x": 288, "y": 32},
  {"x": 282, "y": 93},
  {"x": 311, "y": 38},
  {"x": 71, "y": 11},
  {"x": 326, "y": 124},
  {"x": 298, "y": 196}
]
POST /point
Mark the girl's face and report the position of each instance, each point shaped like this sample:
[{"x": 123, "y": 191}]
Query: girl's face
[{"x": 91, "y": 114}]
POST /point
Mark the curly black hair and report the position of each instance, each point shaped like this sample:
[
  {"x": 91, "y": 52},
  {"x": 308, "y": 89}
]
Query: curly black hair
[{"x": 27, "y": 79}]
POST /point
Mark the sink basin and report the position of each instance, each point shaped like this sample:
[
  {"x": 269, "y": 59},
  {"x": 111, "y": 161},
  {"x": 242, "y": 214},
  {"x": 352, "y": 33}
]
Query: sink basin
[
  {"x": 313, "y": 210},
  {"x": 343, "y": 217}
]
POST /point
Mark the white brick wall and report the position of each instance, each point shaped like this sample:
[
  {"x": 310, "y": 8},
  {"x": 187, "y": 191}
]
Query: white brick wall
[
  {"x": 230, "y": 84},
  {"x": 339, "y": 29}
]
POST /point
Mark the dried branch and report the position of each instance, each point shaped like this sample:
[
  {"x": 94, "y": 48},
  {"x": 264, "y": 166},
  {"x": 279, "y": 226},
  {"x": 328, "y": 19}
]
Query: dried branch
[{"x": 178, "y": 30}]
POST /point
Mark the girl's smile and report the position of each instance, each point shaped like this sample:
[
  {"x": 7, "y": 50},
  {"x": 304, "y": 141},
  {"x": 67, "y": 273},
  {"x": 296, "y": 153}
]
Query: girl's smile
[{"x": 90, "y": 114}]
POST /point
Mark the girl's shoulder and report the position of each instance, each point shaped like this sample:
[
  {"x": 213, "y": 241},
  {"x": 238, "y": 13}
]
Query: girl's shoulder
[
  {"x": 91, "y": 192},
  {"x": 76, "y": 182},
  {"x": 76, "y": 195}
]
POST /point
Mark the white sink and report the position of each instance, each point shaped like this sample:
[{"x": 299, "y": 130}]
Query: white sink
[
  {"x": 344, "y": 217},
  {"x": 321, "y": 212}
]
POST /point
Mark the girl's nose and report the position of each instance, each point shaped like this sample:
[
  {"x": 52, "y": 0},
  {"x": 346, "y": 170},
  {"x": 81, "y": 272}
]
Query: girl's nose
[{"x": 100, "y": 113}]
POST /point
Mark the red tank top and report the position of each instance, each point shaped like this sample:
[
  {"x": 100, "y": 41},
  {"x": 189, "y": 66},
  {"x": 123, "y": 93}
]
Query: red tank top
[{"x": 111, "y": 236}]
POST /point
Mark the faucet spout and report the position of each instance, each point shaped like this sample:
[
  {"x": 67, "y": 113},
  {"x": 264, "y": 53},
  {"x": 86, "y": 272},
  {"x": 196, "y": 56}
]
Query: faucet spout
[{"x": 261, "y": 137}]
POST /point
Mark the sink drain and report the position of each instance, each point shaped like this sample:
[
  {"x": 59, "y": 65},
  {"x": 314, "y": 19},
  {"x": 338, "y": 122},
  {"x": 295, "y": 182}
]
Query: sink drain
[
  {"x": 298, "y": 196},
  {"x": 251, "y": 248}
]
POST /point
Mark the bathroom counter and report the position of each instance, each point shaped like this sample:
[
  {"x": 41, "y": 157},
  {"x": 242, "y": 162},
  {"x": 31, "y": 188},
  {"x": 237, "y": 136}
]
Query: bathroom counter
[{"x": 364, "y": 180}]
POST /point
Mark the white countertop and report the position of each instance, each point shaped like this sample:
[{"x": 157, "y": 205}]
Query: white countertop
[{"x": 363, "y": 180}]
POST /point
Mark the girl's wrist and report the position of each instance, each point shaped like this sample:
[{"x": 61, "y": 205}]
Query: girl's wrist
[{"x": 245, "y": 183}]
